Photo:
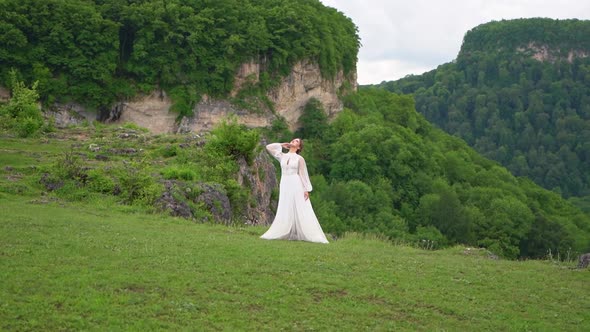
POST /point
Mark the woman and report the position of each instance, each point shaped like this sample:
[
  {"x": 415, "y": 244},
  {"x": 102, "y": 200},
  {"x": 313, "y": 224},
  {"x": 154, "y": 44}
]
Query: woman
[{"x": 295, "y": 219}]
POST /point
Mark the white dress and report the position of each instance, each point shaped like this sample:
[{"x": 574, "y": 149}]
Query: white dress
[{"x": 295, "y": 219}]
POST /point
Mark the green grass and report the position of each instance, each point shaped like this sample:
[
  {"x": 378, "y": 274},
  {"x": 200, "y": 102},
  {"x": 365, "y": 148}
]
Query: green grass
[
  {"x": 91, "y": 263},
  {"x": 67, "y": 266}
]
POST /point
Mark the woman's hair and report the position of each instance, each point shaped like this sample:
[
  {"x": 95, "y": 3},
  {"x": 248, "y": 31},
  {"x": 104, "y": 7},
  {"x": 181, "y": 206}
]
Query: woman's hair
[{"x": 300, "y": 145}]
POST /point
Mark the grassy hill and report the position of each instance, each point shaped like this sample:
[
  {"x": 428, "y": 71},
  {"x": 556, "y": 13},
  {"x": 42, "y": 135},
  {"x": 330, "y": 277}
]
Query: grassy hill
[
  {"x": 95, "y": 264},
  {"x": 67, "y": 266}
]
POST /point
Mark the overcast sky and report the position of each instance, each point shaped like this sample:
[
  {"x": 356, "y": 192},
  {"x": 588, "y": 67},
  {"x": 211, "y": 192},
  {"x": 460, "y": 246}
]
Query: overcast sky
[{"x": 411, "y": 37}]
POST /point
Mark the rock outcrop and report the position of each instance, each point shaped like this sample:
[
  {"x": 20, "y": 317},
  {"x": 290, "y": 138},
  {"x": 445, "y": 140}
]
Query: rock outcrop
[
  {"x": 64, "y": 115},
  {"x": 151, "y": 112},
  {"x": 4, "y": 94},
  {"x": 546, "y": 54},
  {"x": 583, "y": 261},
  {"x": 305, "y": 82},
  {"x": 289, "y": 98},
  {"x": 261, "y": 178}
]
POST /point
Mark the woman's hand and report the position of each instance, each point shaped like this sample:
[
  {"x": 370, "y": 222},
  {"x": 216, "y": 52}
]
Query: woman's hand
[
  {"x": 306, "y": 195},
  {"x": 286, "y": 145}
]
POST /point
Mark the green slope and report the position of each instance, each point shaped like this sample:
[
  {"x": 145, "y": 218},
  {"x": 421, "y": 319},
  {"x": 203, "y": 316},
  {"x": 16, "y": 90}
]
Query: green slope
[{"x": 82, "y": 267}]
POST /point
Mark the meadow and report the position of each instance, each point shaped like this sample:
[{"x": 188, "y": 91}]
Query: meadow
[
  {"x": 95, "y": 264},
  {"x": 68, "y": 266}
]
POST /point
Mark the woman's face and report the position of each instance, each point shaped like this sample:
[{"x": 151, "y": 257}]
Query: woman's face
[{"x": 295, "y": 143}]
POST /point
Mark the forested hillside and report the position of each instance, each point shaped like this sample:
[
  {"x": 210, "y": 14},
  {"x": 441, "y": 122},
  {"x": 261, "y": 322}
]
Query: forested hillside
[
  {"x": 380, "y": 167},
  {"x": 96, "y": 52},
  {"x": 519, "y": 93}
]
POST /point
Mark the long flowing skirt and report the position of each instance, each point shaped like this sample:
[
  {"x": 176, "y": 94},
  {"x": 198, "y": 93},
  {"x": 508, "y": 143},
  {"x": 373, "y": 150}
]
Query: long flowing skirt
[{"x": 295, "y": 219}]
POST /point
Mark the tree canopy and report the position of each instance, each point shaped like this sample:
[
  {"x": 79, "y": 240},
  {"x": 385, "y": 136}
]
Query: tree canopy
[{"x": 95, "y": 52}]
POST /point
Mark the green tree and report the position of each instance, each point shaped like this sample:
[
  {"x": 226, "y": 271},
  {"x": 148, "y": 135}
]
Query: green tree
[
  {"x": 22, "y": 113},
  {"x": 313, "y": 120},
  {"x": 233, "y": 139}
]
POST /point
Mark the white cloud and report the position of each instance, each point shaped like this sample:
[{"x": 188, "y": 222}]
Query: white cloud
[
  {"x": 401, "y": 37},
  {"x": 376, "y": 71}
]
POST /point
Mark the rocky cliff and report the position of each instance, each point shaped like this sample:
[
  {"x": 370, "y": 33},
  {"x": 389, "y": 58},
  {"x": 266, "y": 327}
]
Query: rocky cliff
[
  {"x": 4, "y": 94},
  {"x": 545, "y": 53},
  {"x": 259, "y": 177},
  {"x": 289, "y": 97}
]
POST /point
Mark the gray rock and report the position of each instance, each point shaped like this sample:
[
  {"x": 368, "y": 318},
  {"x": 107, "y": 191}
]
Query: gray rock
[
  {"x": 211, "y": 196},
  {"x": 68, "y": 114},
  {"x": 583, "y": 261},
  {"x": 51, "y": 183},
  {"x": 168, "y": 202},
  {"x": 261, "y": 178},
  {"x": 110, "y": 114},
  {"x": 215, "y": 199},
  {"x": 122, "y": 151}
]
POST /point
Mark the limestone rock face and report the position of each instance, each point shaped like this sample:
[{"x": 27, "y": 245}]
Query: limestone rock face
[
  {"x": 289, "y": 98},
  {"x": 4, "y": 94},
  {"x": 248, "y": 72},
  {"x": 305, "y": 82},
  {"x": 64, "y": 115},
  {"x": 544, "y": 53},
  {"x": 209, "y": 112},
  {"x": 151, "y": 112},
  {"x": 261, "y": 178}
]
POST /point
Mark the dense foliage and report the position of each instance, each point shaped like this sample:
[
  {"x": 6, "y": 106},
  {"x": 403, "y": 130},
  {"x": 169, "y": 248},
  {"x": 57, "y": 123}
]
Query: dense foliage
[
  {"x": 21, "y": 114},
  {"x": 380, "y": 167},
  {"x": 95, "y": 52},
  {"x": 530, "y": 114}
]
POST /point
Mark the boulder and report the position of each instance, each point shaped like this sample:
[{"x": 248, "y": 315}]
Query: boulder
[{"x": 583, "y": 261}]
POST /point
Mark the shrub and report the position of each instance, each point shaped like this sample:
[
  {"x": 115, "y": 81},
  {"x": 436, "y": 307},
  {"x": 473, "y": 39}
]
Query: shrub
[
  {"x": 28, "y": 126},
  {"x": 239, "y": 196},
  {"x": 137, "y": 185},
  {"x": 68, "y": 167},
  {"x": 168, "y": 151},
  {"x": 233, "y": 139},
  {"x": 136, "y": 127},
  {"x": 429, "y": 237},
  {"x": 313, "y": 120},
  {"x": 22, "y": 111},
  {"x": 179, "y": 172},
  {"x": 99, "y": 181}
]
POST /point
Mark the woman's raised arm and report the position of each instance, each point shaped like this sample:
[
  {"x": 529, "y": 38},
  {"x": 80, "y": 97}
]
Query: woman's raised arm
[{"x": 276, "y": 150}]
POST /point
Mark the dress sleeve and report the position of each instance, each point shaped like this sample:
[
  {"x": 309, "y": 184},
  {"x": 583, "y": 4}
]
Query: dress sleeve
[
  {"x": 276, "y": 150},
  {"x": 303, "y": 175}
]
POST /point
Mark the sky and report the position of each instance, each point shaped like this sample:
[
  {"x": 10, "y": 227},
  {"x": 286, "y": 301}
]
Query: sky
[{"x": 401, "y": 38}]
